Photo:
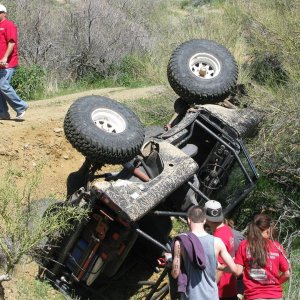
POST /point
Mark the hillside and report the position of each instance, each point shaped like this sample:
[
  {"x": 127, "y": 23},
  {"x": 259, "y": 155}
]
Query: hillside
[
  {"x": 128, "y": 43},
  {"x": 40, "y": 140}
]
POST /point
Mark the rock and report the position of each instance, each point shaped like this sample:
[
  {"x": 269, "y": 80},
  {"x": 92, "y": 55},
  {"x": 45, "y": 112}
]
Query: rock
[
  {"x": 3, "y": 151},
  {"x": 58, "y": 130}
]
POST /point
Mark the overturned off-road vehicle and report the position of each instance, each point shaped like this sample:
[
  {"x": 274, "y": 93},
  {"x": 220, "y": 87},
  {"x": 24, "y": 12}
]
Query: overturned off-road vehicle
[{"x": 199, "y": 157}]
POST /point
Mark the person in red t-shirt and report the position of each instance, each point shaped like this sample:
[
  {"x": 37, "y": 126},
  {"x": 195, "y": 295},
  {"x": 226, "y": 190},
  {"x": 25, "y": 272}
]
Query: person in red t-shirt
[
  {"x": 8, "y": 64},
  {"x": 227, "y": 282},
  {"x": 263, "y": 261}
]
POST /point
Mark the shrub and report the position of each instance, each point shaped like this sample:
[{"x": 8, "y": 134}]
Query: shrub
[
  {"x": 29, "y": 81},
  {"x": 267, "y": 69},
  {"x": 22, "y": 228},
  {"x": 131, "y": 72}
]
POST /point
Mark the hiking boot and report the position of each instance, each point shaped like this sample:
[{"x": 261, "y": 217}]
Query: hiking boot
[
  {"x": 21, "y": 114},
  {"x": 4, "y": 116}
]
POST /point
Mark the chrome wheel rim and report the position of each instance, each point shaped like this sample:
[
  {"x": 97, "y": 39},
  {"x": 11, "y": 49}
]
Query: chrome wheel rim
[
  {"x": 108, "y": 120},
  {"x": 205, "y": 66}
]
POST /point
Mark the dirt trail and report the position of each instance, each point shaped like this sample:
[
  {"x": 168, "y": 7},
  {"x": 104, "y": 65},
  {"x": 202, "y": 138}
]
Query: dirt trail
[{"x": 40, "y": 138}]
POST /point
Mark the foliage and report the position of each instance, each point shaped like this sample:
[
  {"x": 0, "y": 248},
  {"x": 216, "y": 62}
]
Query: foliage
[
  {"x": 28, "y": 290},
  {"x": 196, "y": 3},
  {"x": 179, "y": 225},
  {"x": 29, "y": 81},
  {"x": 272, "y": 50},
  {"x": 154, "y": 111},
  {"x": 21, "y": 227},
  {"x": 85, "y": 39},
  {"x": 291, "y": 288},
  {"x": 264, "y": 40},
  {"x": 131, "y": 71},
  {"x": 270, "y": 31},
  {"x": 277, "y": 148},
  {"x": 130, "y": 42}
]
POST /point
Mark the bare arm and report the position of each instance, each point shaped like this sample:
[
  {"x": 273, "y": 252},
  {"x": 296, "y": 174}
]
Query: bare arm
[
  {"x": 219, "y": 274},
  {"x": 225, "y": 268},
  {"x": 284, "y": 276},
  {"x": 222, "y": 251},
  {"x": 176, "y": 260},
  {"x": 10, "y": 47},
  {"x": 240, "y": 270}
]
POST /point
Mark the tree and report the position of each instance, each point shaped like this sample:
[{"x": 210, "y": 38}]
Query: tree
[{"x": 78, "y": 38}]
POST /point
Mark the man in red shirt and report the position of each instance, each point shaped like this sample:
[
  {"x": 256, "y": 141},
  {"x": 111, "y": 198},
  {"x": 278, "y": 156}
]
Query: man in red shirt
[
  {"x": 8, "y": 64},
  {"x": 227, "y": 282}
]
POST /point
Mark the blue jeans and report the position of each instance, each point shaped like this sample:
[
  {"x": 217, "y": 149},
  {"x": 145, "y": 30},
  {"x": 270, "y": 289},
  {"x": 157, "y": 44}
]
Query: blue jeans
[{"x": 8, "y": 94}]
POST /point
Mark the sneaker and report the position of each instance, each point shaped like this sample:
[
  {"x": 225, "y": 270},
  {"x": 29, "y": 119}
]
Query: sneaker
[
  {"x": 21, "y": 114},
  {"x": 4, "y": 116}
]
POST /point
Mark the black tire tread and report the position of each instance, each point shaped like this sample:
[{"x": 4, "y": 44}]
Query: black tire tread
[
  {"x": 190, "y": 90},
  {"x": 102, "y": 148}
]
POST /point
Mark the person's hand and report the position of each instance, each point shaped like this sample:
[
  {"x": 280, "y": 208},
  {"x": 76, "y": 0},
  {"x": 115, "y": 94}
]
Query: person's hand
[
  {"x": 168, "y": 257},
  {"x": 3, "y": 62},
  {"x": 221, "y": 267}
]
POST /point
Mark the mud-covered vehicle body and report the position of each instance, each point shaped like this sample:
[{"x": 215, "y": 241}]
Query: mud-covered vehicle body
[{"x": 200, "y": 157}]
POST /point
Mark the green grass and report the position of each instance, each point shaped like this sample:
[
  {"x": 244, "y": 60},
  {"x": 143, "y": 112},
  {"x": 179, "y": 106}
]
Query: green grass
[
  {"x": 130, "y": 73},
  {"x": 178, "y": 226},
  {"x": 292, "y": 287},
  {"x": 34, "y": 289},
  {"x": 152, "y": 111},
  {"x": 85, "y": 85}
]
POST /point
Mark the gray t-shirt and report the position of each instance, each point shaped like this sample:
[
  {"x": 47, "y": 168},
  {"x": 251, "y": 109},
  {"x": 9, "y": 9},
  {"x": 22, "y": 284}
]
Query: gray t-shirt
[{"x": 202, "y": 284}]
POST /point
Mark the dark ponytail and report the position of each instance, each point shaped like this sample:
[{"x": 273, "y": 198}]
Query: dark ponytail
[{"x": 258, "y": 245}]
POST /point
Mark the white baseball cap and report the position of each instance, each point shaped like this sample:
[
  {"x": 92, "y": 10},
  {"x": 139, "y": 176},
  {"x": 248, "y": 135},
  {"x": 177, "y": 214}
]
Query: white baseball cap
[
  {"x": 213, "y": 210},
  {"x": 2, "y": 8}
]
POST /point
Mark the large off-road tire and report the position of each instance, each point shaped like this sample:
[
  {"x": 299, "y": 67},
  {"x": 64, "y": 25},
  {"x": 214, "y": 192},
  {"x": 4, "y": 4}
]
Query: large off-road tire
[
  {"x": 180, "y": 108},
  {"x": 39, "y": 209},
  {"x": 202, "y": 71},
  {"x": 103, "y": 130}
]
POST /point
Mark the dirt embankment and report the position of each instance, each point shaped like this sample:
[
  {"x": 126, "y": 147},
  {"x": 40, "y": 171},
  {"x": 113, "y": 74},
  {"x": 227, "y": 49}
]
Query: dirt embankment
[{"x": 39, "y": 140}]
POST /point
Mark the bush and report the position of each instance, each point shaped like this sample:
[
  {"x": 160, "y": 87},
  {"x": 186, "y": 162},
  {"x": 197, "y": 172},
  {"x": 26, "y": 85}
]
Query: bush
[
  {"x": 29, "y": 81},
  {"x": 131, "y": 72},
  {"x": 267, "y": 69},
  {"x": 22, "y": 228}
]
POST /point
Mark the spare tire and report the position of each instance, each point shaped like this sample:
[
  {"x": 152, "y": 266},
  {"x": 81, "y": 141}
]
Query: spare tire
[
  {"x": 103, "y": 130},
  {"x": 180, "y": 108},
  {"x": 202, "y": 71}
]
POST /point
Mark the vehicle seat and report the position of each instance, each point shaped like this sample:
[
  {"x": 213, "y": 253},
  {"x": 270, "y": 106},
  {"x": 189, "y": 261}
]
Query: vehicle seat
[
  {"x": 154, "y": 164},
  {"x": 190, "y": 150}
]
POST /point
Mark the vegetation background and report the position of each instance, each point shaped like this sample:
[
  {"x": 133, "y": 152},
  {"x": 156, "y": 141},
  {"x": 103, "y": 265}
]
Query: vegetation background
[{"x": 82, "y": 44}]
